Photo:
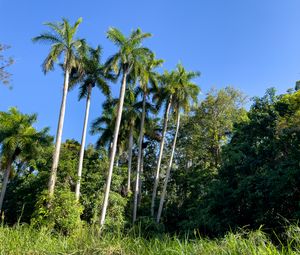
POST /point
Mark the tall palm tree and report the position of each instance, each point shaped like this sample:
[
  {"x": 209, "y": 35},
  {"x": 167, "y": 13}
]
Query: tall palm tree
[
  {"x": 131, "y": 118},
  {"x": 146, "y": 76},
  {"x": 128, "y": 57},
  {"x": 152, "y": 133},
  {"x": 162, "y": 96},
  {"x": 63, "y": 44},
  {"x": 185, "y": 92},
  {"x": 18, "y": 139},
  {"x": 93, "y": 74}
]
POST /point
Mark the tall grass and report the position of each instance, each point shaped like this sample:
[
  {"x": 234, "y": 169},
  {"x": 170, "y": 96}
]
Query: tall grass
[{"x": 27, "y": 240}]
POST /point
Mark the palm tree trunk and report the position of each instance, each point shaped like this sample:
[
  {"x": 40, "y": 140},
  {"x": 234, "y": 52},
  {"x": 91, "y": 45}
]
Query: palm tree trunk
[
  {"x": 4, "y": 184},
  {"x": 163, "y": 194},
  {"x": 114, "y": 147},
  {"x": 162, "y": 144},
  {"x": 141, "y": 136},
  {"x": 52, "y": 179},
  {"x": 141, "y": 179},
  {"x": 130, "y": 157},
  {"x": 81, "y": 155}
]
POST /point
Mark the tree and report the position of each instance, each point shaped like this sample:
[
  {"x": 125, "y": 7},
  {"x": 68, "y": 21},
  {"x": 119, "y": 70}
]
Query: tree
[
  {"x": 212, "y": 123},
  {"x": 146, "y": 76},
  {"x": 131, "y": 120},
  {"x": 152, "y": 136},
  {"x": 202, "y": 136},
  {"x": 163, "y": 95},
  {"x": 4, "y": 64},
  {"x": 104, "y": 126},
  {"x": 123, "y": 62},
  {"x": 185, "y": 92},
  {"x": 93, "y": 74},
  {"x": 18, "y": 139},
  {"x": 62, "y": 42}
]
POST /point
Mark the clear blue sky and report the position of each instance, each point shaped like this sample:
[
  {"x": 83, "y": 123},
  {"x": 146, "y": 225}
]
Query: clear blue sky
[{"x": 249, "y": 44}]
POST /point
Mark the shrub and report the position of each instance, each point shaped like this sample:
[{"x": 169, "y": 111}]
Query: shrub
[
  {"x": 115, "y": 216},
  {"x": 60, "y": 213}
]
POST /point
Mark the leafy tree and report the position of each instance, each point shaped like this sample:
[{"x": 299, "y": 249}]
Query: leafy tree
[
  {"x": 258, "y": 180},
  {"x": 201, "y": 139},
  {"x": 5, "y": 62},
  {"x": 62, "y": 42},
  {"x": 18, "y": 139}
]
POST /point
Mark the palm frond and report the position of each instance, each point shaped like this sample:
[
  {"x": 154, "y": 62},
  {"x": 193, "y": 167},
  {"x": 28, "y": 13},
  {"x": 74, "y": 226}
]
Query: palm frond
[
  {"x": 116, "y": 36},
  {"x": 47, "y": 38},
  {"x": 53, "y": 56}
]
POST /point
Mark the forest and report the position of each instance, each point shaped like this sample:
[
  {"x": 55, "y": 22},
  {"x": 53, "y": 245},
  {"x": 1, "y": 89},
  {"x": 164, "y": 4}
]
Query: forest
[{"x": 169, "y": 173}]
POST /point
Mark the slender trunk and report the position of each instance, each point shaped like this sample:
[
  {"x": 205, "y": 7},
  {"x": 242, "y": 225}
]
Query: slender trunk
[
  {"x": 163, "y": 194},
  {"x": 117, "y": 160},
  {"x": 81, "y": 155},
  {"x": 113, "y": 149},
  {"x": 56, "y": 153},
  {"x": 130, "y": 157},
  {"x": 110, "y": 148},
  {"x": 162, "y": 144},
  {"x": 141, "y": 136},
  {"x": 4, "y": 184},
  {"x": 141, "y": 179}
]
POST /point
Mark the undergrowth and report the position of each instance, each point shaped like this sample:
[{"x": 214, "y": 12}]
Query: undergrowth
[{"x": 28, "y": 240}]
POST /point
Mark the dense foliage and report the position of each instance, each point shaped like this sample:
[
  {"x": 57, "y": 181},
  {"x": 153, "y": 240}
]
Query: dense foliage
[{"x": 233, "y": 169}]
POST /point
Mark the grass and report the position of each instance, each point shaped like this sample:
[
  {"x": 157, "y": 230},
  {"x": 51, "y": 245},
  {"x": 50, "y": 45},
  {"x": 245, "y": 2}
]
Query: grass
[{"x": 26, "y": 240}]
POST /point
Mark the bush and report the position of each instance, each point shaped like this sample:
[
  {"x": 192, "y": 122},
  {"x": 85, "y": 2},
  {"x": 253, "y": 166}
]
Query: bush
[
  {"x": 115, "y": 215},
  {"x": 148, "y": 228},
  {"x": 63, "y": 214}
]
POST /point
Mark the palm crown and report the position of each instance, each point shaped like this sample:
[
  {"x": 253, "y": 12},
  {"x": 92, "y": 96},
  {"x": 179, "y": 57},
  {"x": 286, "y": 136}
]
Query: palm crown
[
  {"x": 93, "y": 74},
  {"x": 130, "y": 51},
  {"x": 184, "y": 90},
  {"x": 62, "y": 42}
]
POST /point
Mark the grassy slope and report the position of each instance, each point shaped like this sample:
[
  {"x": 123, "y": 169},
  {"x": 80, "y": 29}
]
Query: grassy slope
[{"x": 25, "y": 240}]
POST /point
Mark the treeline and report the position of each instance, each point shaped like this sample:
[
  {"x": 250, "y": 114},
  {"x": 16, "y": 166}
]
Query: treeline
[{"x": 162, "y": 158}]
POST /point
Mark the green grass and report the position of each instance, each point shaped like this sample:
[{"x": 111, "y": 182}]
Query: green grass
[{"x": 26, "y": 240}]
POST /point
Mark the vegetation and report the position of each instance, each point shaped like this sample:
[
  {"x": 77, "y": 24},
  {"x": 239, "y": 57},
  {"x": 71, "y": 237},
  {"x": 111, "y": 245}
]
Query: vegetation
[
  {"x": 62, "y": 42},
  {"x": 5, "y": 62},
  {"x": 25, "y": 240},
  {"x": 168, "y": 171}
]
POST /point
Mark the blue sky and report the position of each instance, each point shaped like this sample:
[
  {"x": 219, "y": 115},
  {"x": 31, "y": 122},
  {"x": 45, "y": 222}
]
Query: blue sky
[{"x": 250, "y": 44}]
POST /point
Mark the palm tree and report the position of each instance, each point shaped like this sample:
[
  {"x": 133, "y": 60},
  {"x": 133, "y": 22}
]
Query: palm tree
[
  {"x": 62, "y": 42},
  {"x": 152, "y": 133},
  {"x": 18, "y": 139},
  {"x": 128, "y": 57},
  {"x": 185, "y": 91},
  {"x": 163, "y": 95},
  {"x": 104, "y": 126},
  {"x": 131, "y": 118},
  {"x": 146, "y": 75},
  {"x": 93, "y": 75}
]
